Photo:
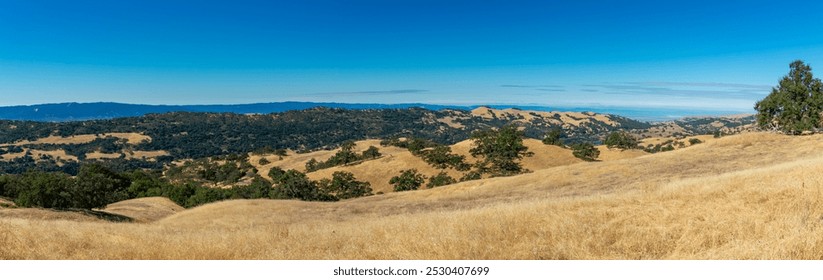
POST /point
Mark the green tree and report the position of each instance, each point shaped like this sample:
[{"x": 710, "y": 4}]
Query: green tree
[
  {"x": 441, "y": 179},
  {"x": 441, "y": 157},
  {"x": 97, "y": 186},
  {"x": 280, "y": 153},
  {"x": 585, "y": 151},
  {"x": 344, "y": 185},
  {"x": 263, "y": 161},
  {"x": 408, "y": 180},
  {"x": 621, "y": 140},
  {"x": 795, "y": 104},
  {"x": 553, "y": 137},
  {"x": 311, "y": 165},
  {"x": 41, "y": 189},
  {"x": 294, "y": 184},
  {"x": 371, "y": 153},
  {"x": 500, "y": 150}
]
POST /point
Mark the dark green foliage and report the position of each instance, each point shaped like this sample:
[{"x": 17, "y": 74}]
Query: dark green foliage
[
  {"x": 407, "y": 180},
  {"x": 553, "y": 137},
  {"x": 205, "y": 195},
  {"x": 230, "y": 171},
  {"x": 717, "y": 134},
  {"x": 293, "y": 184},
  {"x": 280, "y": 153},
  {"x": 97, "y": 186},
  {"x": 42, "y": 189},
  {"x": 585, "y": 151},
  {"x": 694, "y": 141},
  {"x": 442, "y": 158},
  {"x": 275, "y": 173},
  {"x": 795, "y": 104},
  {"x": 371, "y": 153},
  {"x": 312, "y": 165},
  {"x": 441, "y": 179},
  {"x": 414, "y": 145},
  {"x": 344, "y": 185},
  {"x": 259, "y": 188},
  {"x": 499, "y": 150},
  {"x": 145, "y": 184},
  {"x": 471, "y": 175},
  {"x": 263, "y": 161},
  {"x": 621, "y": 140}
]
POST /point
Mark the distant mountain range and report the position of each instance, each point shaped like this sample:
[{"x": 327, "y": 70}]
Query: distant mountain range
[{"x": 61, "y": 112}]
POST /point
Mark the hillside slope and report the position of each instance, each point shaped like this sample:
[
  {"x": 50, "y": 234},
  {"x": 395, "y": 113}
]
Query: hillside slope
[{"x": 750, "y": 196}]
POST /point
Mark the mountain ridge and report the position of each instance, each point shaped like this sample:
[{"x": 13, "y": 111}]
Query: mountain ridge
[{"x": 74, "y": 111}]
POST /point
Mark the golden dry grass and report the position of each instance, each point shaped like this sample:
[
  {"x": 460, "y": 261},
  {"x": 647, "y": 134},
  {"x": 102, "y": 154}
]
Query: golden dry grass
[
  {"x": 131, "y": 138},
  {"x": 753, "y": 196},
  {"x": 147, "y": 209}
]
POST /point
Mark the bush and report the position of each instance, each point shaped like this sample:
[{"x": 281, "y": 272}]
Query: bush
[
  {"x": 371, "y": 153},
  {"x": 621, "y": 140},
  {"x": 694, "y": 141},
  {"x": 344, "y": 185},
  {"x": 263, "y": 161},
  {"x": 441, "y": 179},
  {"x": 407, "y": 180},
  {"x": 553, "y": 138},
  {"x": 585, "y": 151}
]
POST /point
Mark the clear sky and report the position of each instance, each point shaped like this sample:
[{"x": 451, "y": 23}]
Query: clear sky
[{"x": 686, "y": 54}]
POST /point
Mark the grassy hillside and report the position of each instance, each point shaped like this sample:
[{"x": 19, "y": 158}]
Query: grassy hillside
[{"x": 751, "y": 196}]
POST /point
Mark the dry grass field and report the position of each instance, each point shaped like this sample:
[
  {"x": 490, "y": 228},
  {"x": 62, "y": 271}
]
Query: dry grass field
[{"x": 750, "y": 196}]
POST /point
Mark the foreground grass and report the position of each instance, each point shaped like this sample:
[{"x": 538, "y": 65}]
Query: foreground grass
[{"x": 753, "y": 196}]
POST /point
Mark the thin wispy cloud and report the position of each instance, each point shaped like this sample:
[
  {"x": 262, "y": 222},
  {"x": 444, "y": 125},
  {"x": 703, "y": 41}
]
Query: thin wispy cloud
[
  {"x": 530, "y": 86},
  {"x": 715, "y": 85},
  {"x": 679, "y": 89},
  {"x": 374, "y": 92}
]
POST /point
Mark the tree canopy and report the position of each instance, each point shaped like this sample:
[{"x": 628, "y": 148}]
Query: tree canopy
[
  {"x": 795, "y": 104},
  {"x": 500, "y": 150}
]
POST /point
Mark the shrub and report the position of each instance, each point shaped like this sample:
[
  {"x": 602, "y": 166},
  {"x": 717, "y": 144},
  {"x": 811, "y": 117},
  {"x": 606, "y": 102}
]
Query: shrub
[
  {"x": 585, "y": 151},
  {"x": 621, "y": 140},
  {"x": 263, "y": 161},
  {"x": 407, "y": 180},
  {"x": 441, "y": 179},
  {"x": 344, "y": 185},
  {"x": 553, "y": 138},
  {"x": 371, "y": 153},
  {"x": 694, "y": 141}
]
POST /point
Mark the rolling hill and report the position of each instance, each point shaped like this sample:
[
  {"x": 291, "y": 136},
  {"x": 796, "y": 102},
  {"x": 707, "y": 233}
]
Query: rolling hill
[{"x": 748, "y": 196}]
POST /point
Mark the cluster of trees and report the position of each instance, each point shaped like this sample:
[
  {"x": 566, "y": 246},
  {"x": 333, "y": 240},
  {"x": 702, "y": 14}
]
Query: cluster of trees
[
  {"x": 94, "y": 186},
  {"x": 621, "y": 140},
  {"x": 293, "y": 184},
  {"x": 345, "y": 156},
  {"x": 415, "y": 145},
  {"x": 411, "y": 179},
  {"x": 228, "y": 169}
]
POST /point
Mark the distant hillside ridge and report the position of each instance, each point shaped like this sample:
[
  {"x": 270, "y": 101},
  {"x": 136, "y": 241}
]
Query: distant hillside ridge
[{"x": 62, "y": 112}]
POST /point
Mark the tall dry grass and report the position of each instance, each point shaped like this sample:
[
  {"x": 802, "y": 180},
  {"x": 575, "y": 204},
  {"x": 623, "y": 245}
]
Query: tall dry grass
[{"x": 755, "y": 196}]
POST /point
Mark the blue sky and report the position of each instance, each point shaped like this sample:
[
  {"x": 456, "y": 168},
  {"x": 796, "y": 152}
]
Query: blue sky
[{"x": 722, "y": 55}]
